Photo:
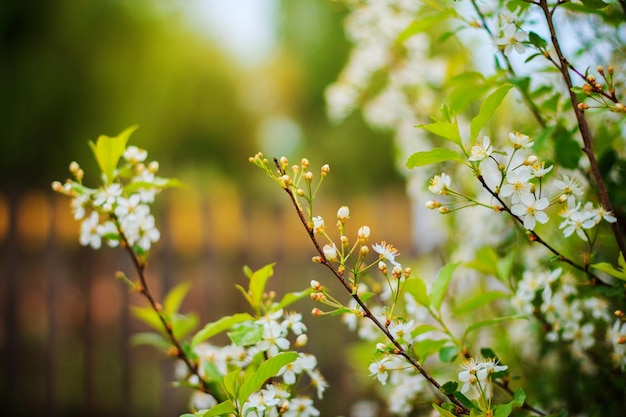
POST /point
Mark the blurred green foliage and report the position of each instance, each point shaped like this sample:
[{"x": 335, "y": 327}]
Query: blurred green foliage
[{"x": 73, "y": 70}]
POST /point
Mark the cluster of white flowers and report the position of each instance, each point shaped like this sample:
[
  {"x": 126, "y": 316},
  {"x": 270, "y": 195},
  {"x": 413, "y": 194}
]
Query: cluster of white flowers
[
  {"x": 405, "y": 382},
  {"x": 556, "y": 299},
  {"x": 522, "y": 186},
  {"x": 274, "y": 399},
  {"x": 114, "y": 208},
  {"x": 617, "y": 339},
  {"x": 477, "y": 376}
]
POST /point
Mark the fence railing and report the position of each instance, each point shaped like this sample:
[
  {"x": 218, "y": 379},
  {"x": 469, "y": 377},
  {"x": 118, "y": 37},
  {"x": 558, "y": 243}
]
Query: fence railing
[{"x": 65, "y": 323}]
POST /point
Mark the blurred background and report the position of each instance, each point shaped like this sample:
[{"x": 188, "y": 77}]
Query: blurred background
[{"x": 209, "y": 83}]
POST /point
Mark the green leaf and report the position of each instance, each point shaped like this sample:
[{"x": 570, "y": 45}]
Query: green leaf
[
  {"x": 446, "y": 130},
  {"x": 448, "y": 353},
  {"x": 148, "y": 316},
  {"x": 425, "y": 348},
  {"x": 182, "y": 324},
  {"x": 442, "y": 412},
  {"x": 158, "y": 183},
  {"x": 518, "y": 397},
  {"x": 246, "y": 334},
  {"x": 503, "y": 410},
  {"x": 449, "y": 387},
  {"x": 487, "y": 353},
  {"x": 478, "y": 300},
  {"x": 423, "y": 24},
  {"x": 434, "y": 156},
  {"x": 268, "y": 369},
  {"x": 292, "y": 297},
  {"x": 569, "y": 150},
  {"x": 424, "y": 328},
  {"x": 257, "y": 283},
  {"x": 108, "y": 151},
  {"x": 175, "y": 297},
  {"x": 225, "y": 323},
  {"x": 537, "y": 40},
  {"x": 619, "y": 273},
  {"x": 487, "y": 109},
  {"x": 231, "y": 383},
  {"x": 417, "y": 288},
  {"x": 440, "y": 286},
  {"x": 486, "y": 261},
  {"x": 479, "y": 324},
  {"x": 594, "y": 4},
  {"x": 151, "y": 339},
  {"x": 222, "y": 409}
]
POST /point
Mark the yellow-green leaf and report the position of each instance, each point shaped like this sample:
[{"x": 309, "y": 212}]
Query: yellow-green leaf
[{"x": 109, "y": 150}]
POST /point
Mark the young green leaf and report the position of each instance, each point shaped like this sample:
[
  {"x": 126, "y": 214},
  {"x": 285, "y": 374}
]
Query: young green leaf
[
  {"x": 257, "y": 283},
  {"x": 246, "y": 334},
  {"x": 151, "y": 339},
  {"x": 148, "y": 316},
  {"x": 423, "y": 24},
  {"x": 448, "y": 353},
  {"x": 175, "y": 297},
  {"x": 223, "y": 324},
  {"x": 449, "y": 387},
  {"x": 225, "y": 408},
  {"x": 477, "y": 301},
  {"x": 441, "y": 283},
  {"x": 109, "y": 150},
  {"x": 619, "y": 273},
  {"x": 442, "y": 412},
  {"x": 292, "y": 297},
  {"x": 434, "y": 156},
  {"x": 479, "y": 324},
  {"x": 417, "y": 288},
  {"x": 182, "y": 324},
  {"x": 268, "y": 369},
  {"x": 487, "y": 109},
  {"x": 446, "y": 130}
]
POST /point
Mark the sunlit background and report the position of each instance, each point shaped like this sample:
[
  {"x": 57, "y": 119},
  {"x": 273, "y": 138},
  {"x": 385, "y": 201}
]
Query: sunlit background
[{"x": 210, "y": 83}]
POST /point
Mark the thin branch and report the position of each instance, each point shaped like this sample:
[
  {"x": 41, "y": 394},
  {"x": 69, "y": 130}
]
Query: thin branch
[
  {"x": 145, "y": 291},
  {"x": 399, "y": 349},
  {"x": 536, "y": 238}
]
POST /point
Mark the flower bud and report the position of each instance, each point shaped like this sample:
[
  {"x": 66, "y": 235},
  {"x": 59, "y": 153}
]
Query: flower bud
[
  {"x": 300, "y": 192},
  {"x": 364, "y": 250},
  {"x": 301, "y": 340},
  {"x": 382, "y": 267},
  {"x": 57, "y": 186},
  {"x": 531, "y": 160},
  {"x": 316, "y": 312},
  {"x": 295, "y": 169},
  {"x": 344, "y": 241},
  {"x": 318, "y": 296},
  {"x": 325, "y": 170},
  {"x": 407, "y": 272},
  {"x": 308, "y": 176},
  {"x": 397, "y": 272},
  {"x": 562, "y": 199},
  {"x": 74, "y": 167},
  {"x": 600, "y": 70},
  {"x": 363, "y": 233},
  {"x": 381, "y": 347},
  {"x": 444, "y": 210},
  {"x": 611, "y": 69},
  {"x": 343, "y": 213},
  {"x": 317, "y": 259},
  {"x": 316, "y": 285},
  {"x": 619, "y": 314},
  {"x": 284, "y": 162},
  {"x": 153, "y": 167},
  {"x": 330, "y": 251},
  {"x": 432, "y": 204},
  {"x": 318, "y": 224},
  {"x": 304, "y": 163},
  {"x": 591, "y": 79},
  {"x": 285, "y": 181}
]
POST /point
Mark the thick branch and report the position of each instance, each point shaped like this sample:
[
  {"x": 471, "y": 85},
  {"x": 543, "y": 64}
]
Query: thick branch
[{"x": 583, "y": 126}]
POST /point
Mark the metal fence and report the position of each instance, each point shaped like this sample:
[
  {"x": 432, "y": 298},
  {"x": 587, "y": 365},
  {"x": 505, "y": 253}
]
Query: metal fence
[{"x": 65, "y": 324}]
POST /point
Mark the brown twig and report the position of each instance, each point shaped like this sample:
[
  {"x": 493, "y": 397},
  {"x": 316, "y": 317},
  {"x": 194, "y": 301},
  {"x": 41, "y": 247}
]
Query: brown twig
[
  {"x": 145, "y": 291},
  {"x": 533, "y": 236},
  {"x": 399, "y": 349}
]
